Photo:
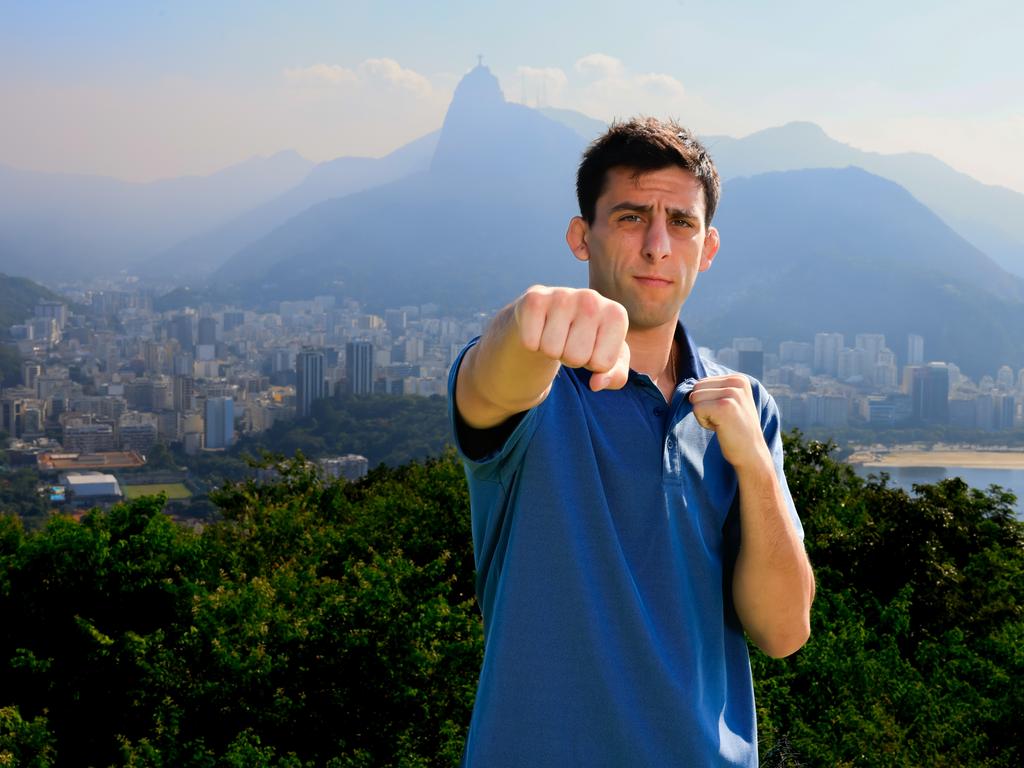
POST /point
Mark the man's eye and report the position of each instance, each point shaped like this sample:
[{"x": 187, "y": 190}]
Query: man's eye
[
  {"x": 682, "y": 223},
  {"x": 629, "y": 217}
]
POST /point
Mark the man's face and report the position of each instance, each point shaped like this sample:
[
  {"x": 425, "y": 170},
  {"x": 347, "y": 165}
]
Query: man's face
[{"x": 647, "y": 243}]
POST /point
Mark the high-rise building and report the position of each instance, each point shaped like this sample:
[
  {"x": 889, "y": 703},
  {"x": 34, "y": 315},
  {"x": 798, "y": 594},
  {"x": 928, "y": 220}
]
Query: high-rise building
[
  {"x": 750, "y": 361},
  {"x": 184, "y": 393},
  {"x": 11, "y": 412},
  {"x": 85, "y": 435},
  {"x": 207, "y": 331},
  {"x": 220, "y": 422},
  {"x": 359, "y": 367},
  {"x": 182, "y": 331},
  {"x": 872, "y": 344},
  {"x": 137, "y": 431},
  {"x": 233, "y": 319},
  {"x": 1004, "y": 377},
  {"x": 55, "y": 309},
  {"x": 930, "y": 393},
  {"x": 747, "y": 344},
  {"x": 31, "y": 370},
  {"x": 309, "y": 380},
  {"x": 796, "y": 352},
  {"x": 915, "y": 349},
  {"x": 395, "y": 320},
  {"x": 827, "y": 347}
]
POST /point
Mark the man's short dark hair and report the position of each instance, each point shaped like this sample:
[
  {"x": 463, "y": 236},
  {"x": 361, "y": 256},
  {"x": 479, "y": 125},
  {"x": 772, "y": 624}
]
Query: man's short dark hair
[{"x": 643, "y": 145}]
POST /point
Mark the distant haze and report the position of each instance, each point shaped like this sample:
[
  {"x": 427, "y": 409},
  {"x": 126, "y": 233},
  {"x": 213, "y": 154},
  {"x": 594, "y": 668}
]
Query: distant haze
[{"x": 137, "y": 91}]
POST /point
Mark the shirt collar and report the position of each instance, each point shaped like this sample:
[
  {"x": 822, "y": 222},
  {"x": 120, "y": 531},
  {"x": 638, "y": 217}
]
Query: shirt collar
[{"x": 689, "y": 365}]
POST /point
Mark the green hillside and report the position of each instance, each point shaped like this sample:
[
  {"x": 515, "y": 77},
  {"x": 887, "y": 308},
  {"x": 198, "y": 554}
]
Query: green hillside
[{"x": 18, "y": 296}]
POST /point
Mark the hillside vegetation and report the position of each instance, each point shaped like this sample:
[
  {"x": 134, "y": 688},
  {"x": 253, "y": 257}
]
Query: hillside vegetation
[
  {"x": 18, "y": 298},
  {"x": 334, "y": 624}
]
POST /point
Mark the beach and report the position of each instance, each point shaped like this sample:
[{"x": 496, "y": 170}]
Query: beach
[{"x": 917, "y": 457}]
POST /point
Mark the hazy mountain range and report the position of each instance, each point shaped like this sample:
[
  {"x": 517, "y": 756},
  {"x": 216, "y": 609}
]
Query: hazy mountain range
[
  {"x": 817, "y": 235},
  {"x": 88, "y": 225}
]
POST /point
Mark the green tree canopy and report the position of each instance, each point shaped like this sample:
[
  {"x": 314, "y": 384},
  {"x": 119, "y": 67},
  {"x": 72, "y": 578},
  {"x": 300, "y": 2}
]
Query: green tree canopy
[{"x": 331, "y": 623}]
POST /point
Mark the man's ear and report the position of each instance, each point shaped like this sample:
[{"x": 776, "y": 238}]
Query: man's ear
[
  {"x": 711, "y": 244},
  {"x": 576, "y": 237}
]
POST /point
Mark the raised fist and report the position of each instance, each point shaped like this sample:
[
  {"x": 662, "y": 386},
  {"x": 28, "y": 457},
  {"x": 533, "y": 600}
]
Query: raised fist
[{"x": 578, "y": 327}]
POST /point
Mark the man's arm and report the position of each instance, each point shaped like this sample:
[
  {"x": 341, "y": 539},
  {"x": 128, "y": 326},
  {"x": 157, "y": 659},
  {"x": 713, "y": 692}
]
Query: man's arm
[
  {"x": 511, "y": 369},
  {"x": 773, "y": 585}
]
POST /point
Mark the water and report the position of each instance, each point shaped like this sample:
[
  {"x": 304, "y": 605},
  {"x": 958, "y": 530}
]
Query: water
[{"x": 905, "y": 477}]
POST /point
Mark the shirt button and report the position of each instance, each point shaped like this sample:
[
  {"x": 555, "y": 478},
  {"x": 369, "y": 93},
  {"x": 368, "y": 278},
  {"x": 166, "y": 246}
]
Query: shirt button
[
  {"x": 659, "y": 411},
  {"x": 671, "y": 442}
]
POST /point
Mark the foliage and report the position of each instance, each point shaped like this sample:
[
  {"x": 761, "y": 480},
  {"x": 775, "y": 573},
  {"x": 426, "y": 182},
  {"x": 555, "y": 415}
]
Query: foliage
[
  {"x": 317, "y": 624},
  {"x": 18, "y": 298},
  {"x": 10, "y": 363},
  {"x": 388, "y": 429},
  {"x": 24, "y": 744},
  {"x": 916, "y": 628},
  {"x": 333, "y": 624},
  {"x": 19, "y": 494}
]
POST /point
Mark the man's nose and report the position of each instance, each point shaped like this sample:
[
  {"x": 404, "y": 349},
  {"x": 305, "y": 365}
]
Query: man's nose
[{"x": 656, "y": 243}]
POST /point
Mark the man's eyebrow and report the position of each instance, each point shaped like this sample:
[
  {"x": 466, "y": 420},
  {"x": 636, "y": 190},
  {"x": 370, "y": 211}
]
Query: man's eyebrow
[
  {"x": 626, "y": 205},
  {"x": 674, "y": 213},
  {"x": 682, "y": 213}
]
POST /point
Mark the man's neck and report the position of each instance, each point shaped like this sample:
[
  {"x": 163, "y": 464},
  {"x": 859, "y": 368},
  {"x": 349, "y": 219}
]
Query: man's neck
[{"x": 650, "y": 352}]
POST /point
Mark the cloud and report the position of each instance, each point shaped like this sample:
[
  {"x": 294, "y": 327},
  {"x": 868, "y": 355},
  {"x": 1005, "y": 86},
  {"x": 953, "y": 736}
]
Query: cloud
[
  {"x": 660, "y": 84},
  {"x": 370, "y": 72},
  {"x": 601, "y": 65},
  {"x": 541, "y": 85},
  {"x": 604, "y": 87},
  {"x": 391, "y": 72}
]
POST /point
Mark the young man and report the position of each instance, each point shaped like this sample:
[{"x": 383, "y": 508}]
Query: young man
[{"x": 631, "y": 518}]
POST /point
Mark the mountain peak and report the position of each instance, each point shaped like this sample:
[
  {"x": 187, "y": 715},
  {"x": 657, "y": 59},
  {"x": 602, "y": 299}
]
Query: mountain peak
[
  {"x": 478, "y": 87},
  {"x": 485, "y": 137}
]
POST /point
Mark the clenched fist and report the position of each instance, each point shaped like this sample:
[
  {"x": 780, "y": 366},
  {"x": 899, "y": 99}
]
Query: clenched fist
[
  {"x": 726, "y": 405},
  {"x": 579, "y": 328}
]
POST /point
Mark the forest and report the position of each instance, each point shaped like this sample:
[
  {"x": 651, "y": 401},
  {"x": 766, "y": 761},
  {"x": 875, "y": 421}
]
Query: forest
[{"x": 325, "y": 623}]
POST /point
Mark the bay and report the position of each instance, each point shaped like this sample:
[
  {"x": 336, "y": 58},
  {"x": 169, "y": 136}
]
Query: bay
[{"x": 905, "y": 477}]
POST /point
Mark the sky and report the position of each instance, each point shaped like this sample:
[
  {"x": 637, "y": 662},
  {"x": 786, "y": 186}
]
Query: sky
[{"x": 148, "y": 90}]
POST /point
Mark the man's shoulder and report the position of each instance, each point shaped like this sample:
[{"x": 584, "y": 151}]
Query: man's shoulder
[{"x": 714, "y": 368}]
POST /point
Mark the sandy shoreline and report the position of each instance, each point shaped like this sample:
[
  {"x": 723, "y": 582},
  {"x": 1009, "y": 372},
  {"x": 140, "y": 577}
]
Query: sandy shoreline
[{"x": 940, "y": 458}]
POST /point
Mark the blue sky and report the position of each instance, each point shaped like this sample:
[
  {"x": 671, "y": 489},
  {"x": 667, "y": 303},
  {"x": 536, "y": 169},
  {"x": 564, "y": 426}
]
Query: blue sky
[{"x": 142, "y": 90}]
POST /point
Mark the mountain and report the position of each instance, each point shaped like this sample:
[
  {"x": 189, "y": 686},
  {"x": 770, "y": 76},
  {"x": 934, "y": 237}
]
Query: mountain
[
  {"x": 803, "y": 250},
  {"x": 586, "y": 126},
  {"x": 203, "y": 253},
  {"x": 483, "y": 221},
  {"x": 847, "y": 251},
  {"x": 18, "y": 298},
  {"x": 990, "y": 217},
  {"x": 84, "y": 225}
]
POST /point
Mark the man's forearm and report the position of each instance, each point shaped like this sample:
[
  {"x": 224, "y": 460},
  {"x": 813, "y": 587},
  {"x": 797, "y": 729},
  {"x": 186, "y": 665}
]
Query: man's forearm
[
  {"x": 499, "y": 377},
  {"x": 512, "y": 367},
  {"x": 773, "y": 585}
]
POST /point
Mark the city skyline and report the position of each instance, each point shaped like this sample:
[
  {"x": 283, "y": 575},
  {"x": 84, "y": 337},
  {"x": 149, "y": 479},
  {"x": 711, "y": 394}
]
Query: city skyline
[{"x": 209, "y": 86}]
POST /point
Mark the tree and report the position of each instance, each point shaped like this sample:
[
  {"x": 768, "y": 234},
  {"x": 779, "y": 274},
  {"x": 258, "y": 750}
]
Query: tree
[
  {"x": 915, "y": 629},
  {"x": 332, "y": 623}
]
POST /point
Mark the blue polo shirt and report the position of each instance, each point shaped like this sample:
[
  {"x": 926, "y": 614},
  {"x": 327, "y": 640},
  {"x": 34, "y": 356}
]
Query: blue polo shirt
[{"x": 605, "y": 529}]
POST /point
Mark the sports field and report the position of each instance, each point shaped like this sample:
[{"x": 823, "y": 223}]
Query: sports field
[{"x": 174, "y": 491}]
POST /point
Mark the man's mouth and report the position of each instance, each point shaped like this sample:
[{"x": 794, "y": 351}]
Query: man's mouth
[{"x": 652, "y": 280}]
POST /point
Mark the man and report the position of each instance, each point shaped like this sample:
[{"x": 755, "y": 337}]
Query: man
[{"x": 631, "y": 519}]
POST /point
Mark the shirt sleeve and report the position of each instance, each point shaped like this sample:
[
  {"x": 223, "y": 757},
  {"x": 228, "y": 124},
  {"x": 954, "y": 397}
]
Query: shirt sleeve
[{"x": 488, "y": 453}]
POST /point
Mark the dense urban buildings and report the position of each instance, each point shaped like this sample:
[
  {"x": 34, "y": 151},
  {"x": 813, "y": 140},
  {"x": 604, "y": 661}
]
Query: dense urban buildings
[
  {"x": 104, "y": 386},
  {"x": 123, "y": 377}
]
